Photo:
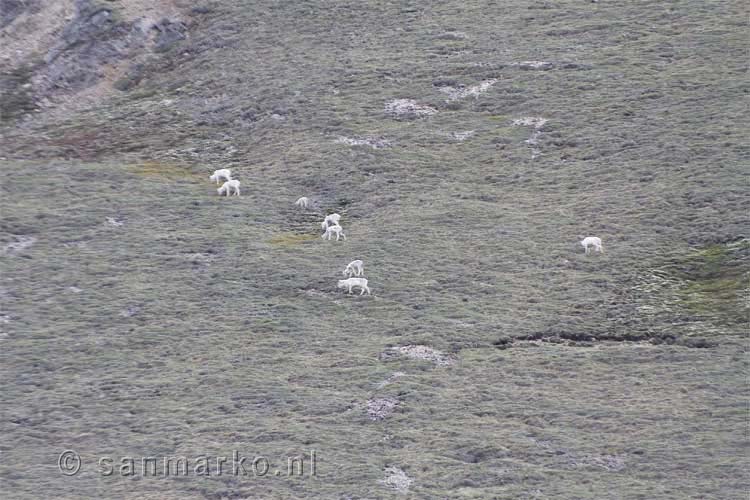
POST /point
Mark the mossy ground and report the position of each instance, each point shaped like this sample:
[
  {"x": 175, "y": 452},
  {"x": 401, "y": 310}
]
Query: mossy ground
[
  {"x": 716, "y": 282},
  {"x": 205, "y": 324}
]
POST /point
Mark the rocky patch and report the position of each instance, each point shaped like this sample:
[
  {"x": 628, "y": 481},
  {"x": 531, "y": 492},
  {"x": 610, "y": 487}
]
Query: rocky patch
[
  {"x": 396, "y": 479},
  {"x": 421, "y": 352},
  {"x": 21, "y": 243},
  {"x": 380, "y": 408},
  {"x": 373, "y": 142},
  {"x": 462, "y": 92},
  {"x": 408, "y": 108}
]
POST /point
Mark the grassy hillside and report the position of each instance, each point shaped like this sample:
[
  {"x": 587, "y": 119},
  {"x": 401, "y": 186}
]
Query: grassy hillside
[{"x": 142, "y": 315}]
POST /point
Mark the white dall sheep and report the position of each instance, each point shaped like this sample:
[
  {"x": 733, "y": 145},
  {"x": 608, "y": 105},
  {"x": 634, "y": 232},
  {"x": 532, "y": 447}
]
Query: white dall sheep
[
  {"x": 355, "y": 268},
  {"x": 302, "y": 202},
  {"x": 223, "y": 173},
  {"x": 333, "y": 219},
  {"x": 228, "y": 187},
  {"x": 330, "y": 230},
  {"x": 592, "y": 241},
  {"x": 352, "y": 282}
]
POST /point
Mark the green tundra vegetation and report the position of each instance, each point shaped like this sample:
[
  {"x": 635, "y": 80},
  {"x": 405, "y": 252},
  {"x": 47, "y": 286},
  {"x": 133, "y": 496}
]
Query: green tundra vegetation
[{"x": 468, "y": 147}]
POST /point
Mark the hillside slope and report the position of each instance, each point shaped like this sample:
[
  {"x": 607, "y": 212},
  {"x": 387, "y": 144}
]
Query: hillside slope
[{"x": 467, "y": 147}]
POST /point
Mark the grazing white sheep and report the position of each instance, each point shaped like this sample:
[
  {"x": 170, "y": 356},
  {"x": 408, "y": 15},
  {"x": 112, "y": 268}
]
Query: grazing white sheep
[
  {"x": 592, "y": 241},
  {"x": 229, "y": 186},
  {"x": 302, "y": 202},
  {"x": 333, "y": 219},
  {"x": 352, "y": 282},
  {"x": 223, "y": 173},
  {"x": 355, "y": 268},
  {"x": 330, "y": 230}
]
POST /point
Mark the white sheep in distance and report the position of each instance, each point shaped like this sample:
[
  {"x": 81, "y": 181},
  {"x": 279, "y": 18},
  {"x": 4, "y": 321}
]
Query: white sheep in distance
[
  {"x": 355, "y": 268},
  {"x": 302, "y": 202},
  {"x": 229, "y": 186},
  {"x": 223, "y": 173},
  {"x": 333, "y": 219},
  {"x": 352, "y": 282},
  {"x": 592, "y": 241},
  {"x": 330, "y": 230}
]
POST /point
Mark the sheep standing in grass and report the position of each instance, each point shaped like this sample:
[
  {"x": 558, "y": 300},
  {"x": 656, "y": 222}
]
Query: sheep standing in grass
[
  {"x": 228, "y": 187},
  {"x": 352, "y": 282},
  {"x": 333, "y": 219},
  {"x": 355, "y": 268},
  {"x": 330, "y": 230},
  {"x": 302, "y": 202},
  {"x": 223, "y": 173},
  {"x": 592, "y": 241}
]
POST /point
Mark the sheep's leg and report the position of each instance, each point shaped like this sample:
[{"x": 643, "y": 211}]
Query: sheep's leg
[
  {"x": 368, "y": 290},
  {"x": 363, "y": 291},
  {"x": 350, "y": 289},
  {"x": 342, "y": 234}
]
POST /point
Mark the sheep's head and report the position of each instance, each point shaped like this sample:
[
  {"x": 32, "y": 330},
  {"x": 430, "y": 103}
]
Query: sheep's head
[
  {"x": 342, "y": 283},
  {"x": 220, "y": 190}
]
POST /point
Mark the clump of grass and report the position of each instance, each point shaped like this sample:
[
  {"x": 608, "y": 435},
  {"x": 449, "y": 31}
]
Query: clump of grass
[
  {"x": 291, "y": 239},
  {"x": 164, "y": 170},
  {"x": 17, "y": 96},
  {"x": 131, "y": 79},
  {"x": 716, "y": 281}
]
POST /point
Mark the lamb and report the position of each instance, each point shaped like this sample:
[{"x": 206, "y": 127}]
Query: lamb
[
  {"x": 229, "y": 186},
  {"x": 333, "y": 219},
  {"x": 334, "y": 229},
  {"x": 592, "y": 241},
  {"x": 302, "y": 202},
  {"x": 355, "y": 268},
  {"x": 223, "y": 173},
  {"x": 352, "y": 282}
]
